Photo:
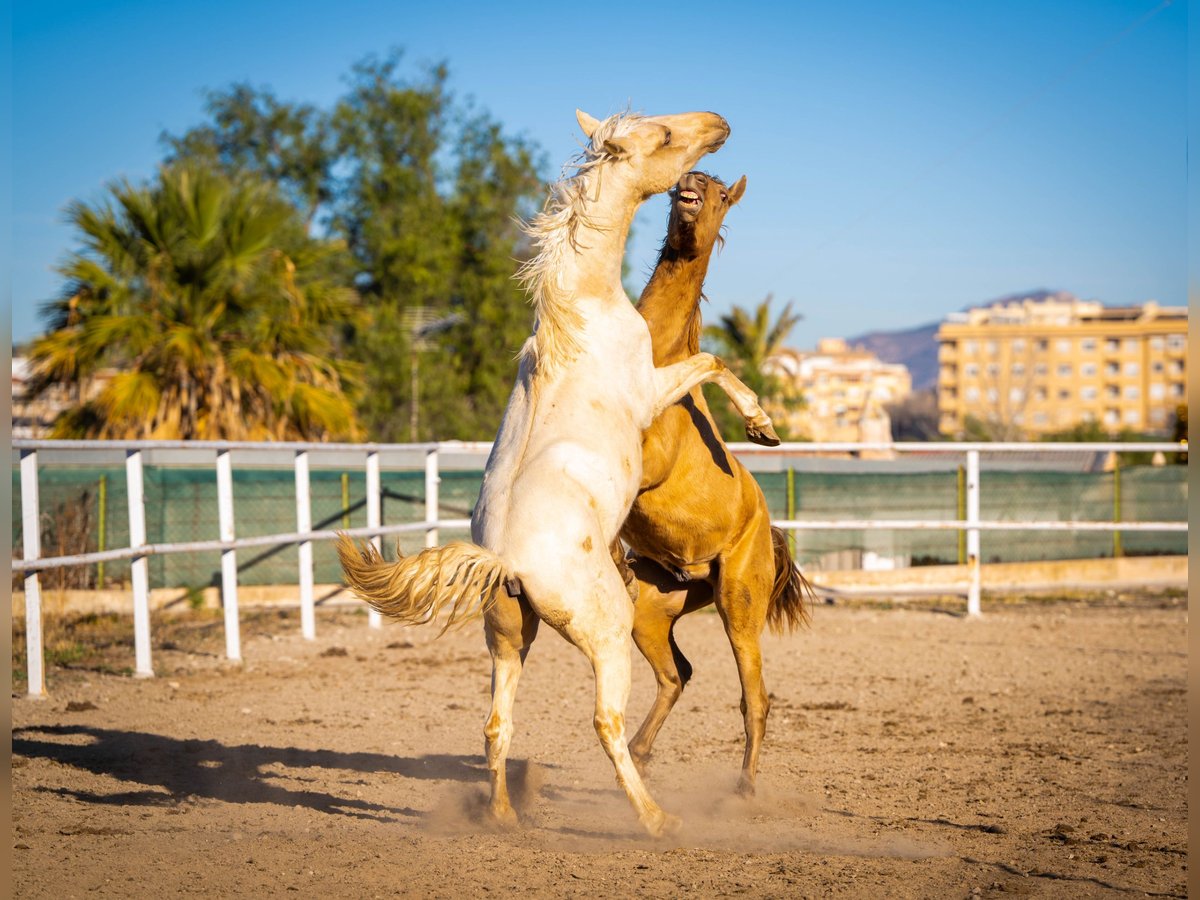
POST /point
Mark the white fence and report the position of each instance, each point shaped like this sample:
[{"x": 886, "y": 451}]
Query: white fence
[{"x": 228, "y": 544}]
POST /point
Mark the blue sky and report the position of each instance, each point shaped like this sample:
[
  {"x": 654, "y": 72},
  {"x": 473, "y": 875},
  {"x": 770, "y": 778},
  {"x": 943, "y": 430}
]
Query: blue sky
[{"x": 904, "y": 159}]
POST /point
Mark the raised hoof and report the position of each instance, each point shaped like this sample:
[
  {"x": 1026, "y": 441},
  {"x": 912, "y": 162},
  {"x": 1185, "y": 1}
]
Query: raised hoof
[
  {"x": 762, "y": 433},
  {"x": 661, "y": 824}
]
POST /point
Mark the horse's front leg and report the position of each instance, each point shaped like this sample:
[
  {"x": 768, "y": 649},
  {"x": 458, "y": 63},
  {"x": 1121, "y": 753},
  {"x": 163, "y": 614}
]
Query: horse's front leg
[{"x": 673, "y": 382}]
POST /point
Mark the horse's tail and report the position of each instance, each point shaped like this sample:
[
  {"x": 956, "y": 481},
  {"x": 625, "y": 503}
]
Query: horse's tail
[
  {"x": 459, "y": 577},
  {"x": 792, "y": 595}
]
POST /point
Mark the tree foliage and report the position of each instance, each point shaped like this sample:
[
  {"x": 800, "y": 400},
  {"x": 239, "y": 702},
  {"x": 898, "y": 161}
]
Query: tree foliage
[
  {"x": 425, "y": 191},
  {"x": 213, "y": 308},
  {"x": 745, "y": 340}
]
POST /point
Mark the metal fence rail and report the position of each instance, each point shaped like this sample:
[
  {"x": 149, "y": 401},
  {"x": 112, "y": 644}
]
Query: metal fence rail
[{"x": 228, "y": 543}]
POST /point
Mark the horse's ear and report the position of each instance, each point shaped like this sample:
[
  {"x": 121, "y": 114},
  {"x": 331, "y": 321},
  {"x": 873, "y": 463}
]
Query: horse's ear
[
  {"x": 615, "y": 149},
  {"x": 737, "y": 191},
  {"x": 586, "y": 122}
]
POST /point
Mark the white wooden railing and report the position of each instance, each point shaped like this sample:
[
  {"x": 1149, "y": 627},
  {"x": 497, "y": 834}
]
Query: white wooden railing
[{"x": 228, "y": 543}]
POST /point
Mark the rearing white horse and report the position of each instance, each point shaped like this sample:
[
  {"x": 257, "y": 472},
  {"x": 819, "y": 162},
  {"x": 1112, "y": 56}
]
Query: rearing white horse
[{"x": 566, "y": 463}]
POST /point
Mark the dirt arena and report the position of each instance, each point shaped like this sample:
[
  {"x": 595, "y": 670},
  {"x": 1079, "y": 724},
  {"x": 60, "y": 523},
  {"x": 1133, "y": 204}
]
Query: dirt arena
[{"x": 911, "y": 752}]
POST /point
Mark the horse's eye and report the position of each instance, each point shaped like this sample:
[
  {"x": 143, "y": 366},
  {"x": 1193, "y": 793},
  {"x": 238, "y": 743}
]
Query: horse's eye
[
  {"x": 667, "y": 139},
  {"x": 724, "y": 197}
]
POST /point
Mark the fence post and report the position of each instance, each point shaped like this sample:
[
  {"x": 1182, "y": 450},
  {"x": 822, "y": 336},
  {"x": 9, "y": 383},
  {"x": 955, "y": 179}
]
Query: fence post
[
  {"x": 345, "y": 500},
  {"x": 139, "y": 568},
  {"x": 791, "y": 508},
  {"x": 1116, "y": 543},
  {"x": 431, "y": 496},
  {"x": 101, "y": 544},
  {"x": 374, "y": 519},
  {"x": 962, "y": 514},
  {"x": 974, "y": 574},
  {"x": 308, "y": 626},
  {"x": 229, "y": 599},
  {"x": 31, "y": 528}
]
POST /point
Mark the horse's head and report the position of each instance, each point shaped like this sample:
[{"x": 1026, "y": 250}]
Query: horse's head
[
  {"x": 654, "y": 151},
  {"x": 698, "y": 206}
]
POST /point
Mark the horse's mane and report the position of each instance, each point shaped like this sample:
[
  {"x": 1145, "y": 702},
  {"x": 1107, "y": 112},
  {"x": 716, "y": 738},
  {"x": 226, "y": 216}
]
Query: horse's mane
[{"x": 553, "y": 231}]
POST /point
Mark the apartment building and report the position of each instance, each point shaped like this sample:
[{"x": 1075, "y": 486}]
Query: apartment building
[
  {"x": 845, "y": 391},
  {"x": 1037, "y": 365}
]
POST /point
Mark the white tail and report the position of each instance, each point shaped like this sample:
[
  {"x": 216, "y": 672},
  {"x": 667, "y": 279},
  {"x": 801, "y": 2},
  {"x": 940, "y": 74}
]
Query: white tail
[{"x": 458, "y": 576}]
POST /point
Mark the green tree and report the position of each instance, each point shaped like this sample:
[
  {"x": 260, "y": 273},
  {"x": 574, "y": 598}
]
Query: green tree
[
  {"x": 212, "y": 308},
  {"x": 746, "y": 340},
  {"x": 424, "y": 191}
]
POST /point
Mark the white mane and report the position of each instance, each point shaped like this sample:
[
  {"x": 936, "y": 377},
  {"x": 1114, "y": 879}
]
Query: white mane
[{"x": 553, "y": 232}]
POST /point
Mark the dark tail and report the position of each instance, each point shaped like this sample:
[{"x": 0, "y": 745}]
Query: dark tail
[
  {"x": 459, "y": 577},
  {"x": 792, "y": 595}
]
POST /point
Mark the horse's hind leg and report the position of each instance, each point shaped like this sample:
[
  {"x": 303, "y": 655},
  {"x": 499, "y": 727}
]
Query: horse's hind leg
[
  {"x": 661, "y": 600},
  {"x": 601, "y": 630},
  {"x": 510, "y": 627},
  {"x": 743, "y": 593}
]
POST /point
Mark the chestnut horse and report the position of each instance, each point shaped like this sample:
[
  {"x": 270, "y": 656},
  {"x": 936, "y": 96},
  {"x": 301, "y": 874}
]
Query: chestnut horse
[
  {"x": 700, "y": 529},
  {"x": 566, "y": 464}
]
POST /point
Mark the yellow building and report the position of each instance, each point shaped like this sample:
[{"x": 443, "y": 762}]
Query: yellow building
[
  {"x": 1032, "y": 366},
  {"x": 845, "y": 391}
]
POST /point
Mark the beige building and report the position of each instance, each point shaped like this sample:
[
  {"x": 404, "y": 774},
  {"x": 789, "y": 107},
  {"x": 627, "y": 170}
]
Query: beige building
[
  {"x": 1032, "y": 366},
  {"x": 845, "y": 391}
]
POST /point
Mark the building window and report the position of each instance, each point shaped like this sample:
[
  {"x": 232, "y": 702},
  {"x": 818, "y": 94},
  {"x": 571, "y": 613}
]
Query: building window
[
  {"x": 1157, "y": 342},
  {"x": 1158, "y": 416},
  {"x": 1088, "y": 393},
  {"x": 1112, "y": 369},
  {"x": 1132, "y": 417},
  {"x": 1040, "y": 369},
  {"x": 972, "y": 370},
  {"x": 1016, "y": 395},
  {"x": 1018, "y": 369},
  {"x": 1177, "y": 389},
  {"x": 1131, "y": 345},
  {"x": 992, "y": 348},
  {"x": 1040, "y": 418},
  {"x": 1064, "y": 345},
  {"x": 1112, "y": 417},
  {"x": 1088, "y": 345},
  {"x": 972, "y": 394},
  {"x": 1018, "y": 345},
  {"x": 1064, "y": 394},
  {"x": 1064, "y": 370},
  {"x": 993, "y": 370},
  {"x": 1040, "y": 394},
  {"x": 1176, "y": 342},
  {"x": 992, "y": 395},
  {"x": 1041, "y": 345},
  {"x": 1112, "y": 392},
  {"x": 971, "y": 347},
  {"x": 1156, "y": 367},
  {"x": 1132, "y": 393},
  {"x": 1157, "y": 391},
  {"x": 1112, "y": 345},
  {"x": 1131, "y": 368},
  {"x": 1088, "y": 370}
]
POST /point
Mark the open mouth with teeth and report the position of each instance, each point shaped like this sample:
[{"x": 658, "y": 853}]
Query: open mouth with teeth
[{"x": 689, "y": 199}]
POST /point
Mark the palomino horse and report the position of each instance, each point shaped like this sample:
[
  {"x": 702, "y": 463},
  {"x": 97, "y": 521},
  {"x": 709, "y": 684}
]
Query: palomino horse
[
  {"x": 700, "y": 516},
  {"x": 566, "y": 463}
]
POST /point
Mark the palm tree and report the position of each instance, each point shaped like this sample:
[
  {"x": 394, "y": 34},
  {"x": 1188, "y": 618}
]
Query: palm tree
[
  {"x": 746, "y": 340},
  {"x": 212, "y": 308}
]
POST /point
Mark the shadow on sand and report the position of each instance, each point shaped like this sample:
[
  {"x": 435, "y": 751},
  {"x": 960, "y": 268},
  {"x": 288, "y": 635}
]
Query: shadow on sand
[{"x": 168, "y": 770}]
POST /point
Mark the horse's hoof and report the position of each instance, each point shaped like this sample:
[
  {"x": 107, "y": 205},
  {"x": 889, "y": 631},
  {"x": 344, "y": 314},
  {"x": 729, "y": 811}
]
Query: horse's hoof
[
  {"x": 661, "y": 824},
  {"x": 503, "y": 817},
  {"x": 762, "y": 433},
  {"x": 745, "y": 788}
]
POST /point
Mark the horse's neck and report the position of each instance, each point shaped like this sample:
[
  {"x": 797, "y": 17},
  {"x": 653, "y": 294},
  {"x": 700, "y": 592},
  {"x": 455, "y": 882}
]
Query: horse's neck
[
  {"x": 581, "y": 275},
  {"x": 670, "y": 304}
]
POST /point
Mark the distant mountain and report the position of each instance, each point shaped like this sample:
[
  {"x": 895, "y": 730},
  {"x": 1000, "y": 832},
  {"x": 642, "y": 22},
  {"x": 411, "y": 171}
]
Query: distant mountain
[{"x": 916, "y": 347}]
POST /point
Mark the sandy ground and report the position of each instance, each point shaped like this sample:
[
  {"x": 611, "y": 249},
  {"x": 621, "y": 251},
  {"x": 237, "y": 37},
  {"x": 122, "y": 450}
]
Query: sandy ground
[{"x": 1040, "y": 750}]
